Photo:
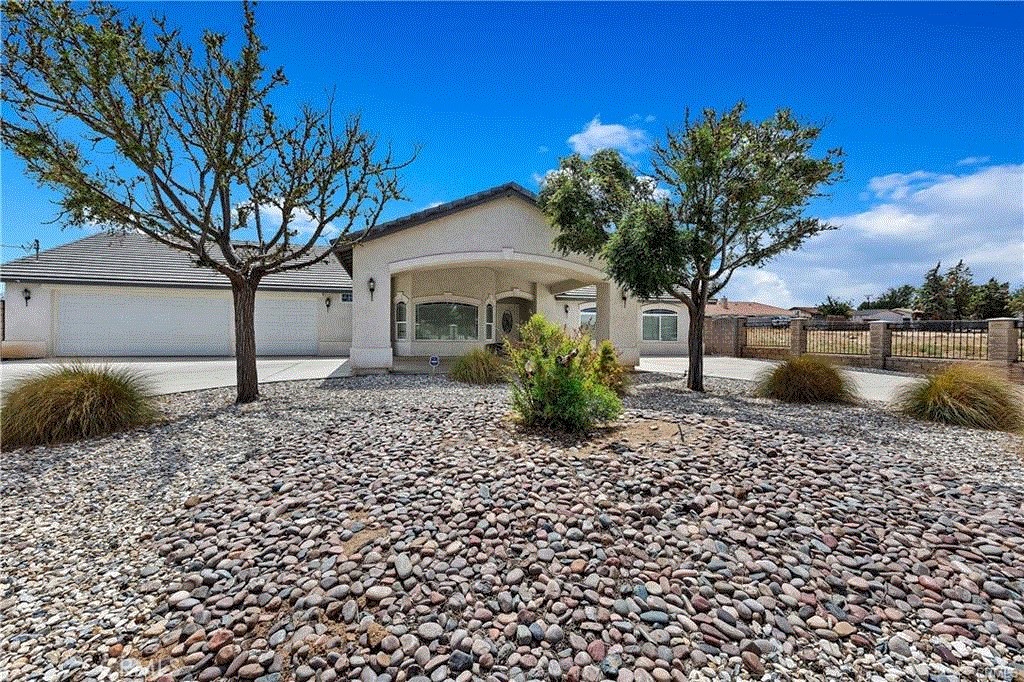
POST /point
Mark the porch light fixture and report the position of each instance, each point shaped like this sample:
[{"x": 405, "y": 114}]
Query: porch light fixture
[
  {"x": 327, "y": 301},
  {"x": 27, "y": 294},
  {"x": 371, "y": 285},
  {"x": 566, "y": 308},
  {"x": 623, "y": 299}
]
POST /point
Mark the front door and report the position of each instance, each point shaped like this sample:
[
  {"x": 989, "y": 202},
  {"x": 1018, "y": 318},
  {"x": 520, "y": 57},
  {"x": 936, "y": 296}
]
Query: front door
[{"x": 507, "y": 321}]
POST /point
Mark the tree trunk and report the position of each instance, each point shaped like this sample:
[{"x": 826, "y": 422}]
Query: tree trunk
[
  {"x": 695, "y": 337},
  {"x": 244, "y": 294}
]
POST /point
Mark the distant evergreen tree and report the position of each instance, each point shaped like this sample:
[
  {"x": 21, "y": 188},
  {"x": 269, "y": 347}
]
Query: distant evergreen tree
[
  {"x": 1017, "y": 301},
  {"x": 893, "y": 297},
  {"x": 991, "y": 299},
  {"x": 933, "y": 296},
  {"x": 961, "y": 288},
  {"x": 835, "y": 308}
]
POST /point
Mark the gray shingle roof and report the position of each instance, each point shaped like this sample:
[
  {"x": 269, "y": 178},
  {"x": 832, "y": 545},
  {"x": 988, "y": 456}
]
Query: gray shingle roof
[{"x": 135, "y": 259}]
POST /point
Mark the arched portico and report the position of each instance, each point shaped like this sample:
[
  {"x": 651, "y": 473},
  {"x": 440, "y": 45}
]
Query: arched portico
[{"x": 468, "y": 279}]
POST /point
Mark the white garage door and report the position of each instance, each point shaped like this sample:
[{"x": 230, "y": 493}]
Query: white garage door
[
  {"x": 116, "y": 324},
  {"x": 286, "y": 326}
]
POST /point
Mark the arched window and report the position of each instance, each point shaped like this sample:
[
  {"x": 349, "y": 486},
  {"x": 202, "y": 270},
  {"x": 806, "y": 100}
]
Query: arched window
[
  {"x": 588, "y": 319},
  {"x": 661, "y": 325},
  {"x": 446, "y": 322},
  {"x": 489, "y": 322},
  {"x": 401, "y": 321}
]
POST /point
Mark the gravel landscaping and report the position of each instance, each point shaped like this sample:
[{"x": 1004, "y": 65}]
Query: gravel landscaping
[{"x": 403, "y": 528}]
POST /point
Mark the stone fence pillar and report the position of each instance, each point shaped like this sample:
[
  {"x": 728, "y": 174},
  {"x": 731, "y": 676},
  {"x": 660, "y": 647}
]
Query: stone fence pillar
[
  {"x": 1003, "y": 340},
  {"x": 740, "y": 334},
  {"x": 881, "y": 343},
  {"x": 797, "y": 337}
]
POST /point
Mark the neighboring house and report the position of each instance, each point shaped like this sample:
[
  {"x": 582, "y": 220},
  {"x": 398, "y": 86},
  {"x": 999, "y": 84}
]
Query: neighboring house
[
  {"x": 883, "y": 315},
  {"x": 723, "y": 307},
  {"x": 806, "y": 313},
  {"x": 438, "y": 282}
]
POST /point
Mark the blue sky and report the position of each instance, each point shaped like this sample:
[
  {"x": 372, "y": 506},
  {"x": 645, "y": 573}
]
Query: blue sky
[{"x": 924, "y": 98}]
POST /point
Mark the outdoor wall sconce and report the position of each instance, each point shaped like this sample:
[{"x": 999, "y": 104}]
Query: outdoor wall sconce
[
  {"x": 371, "y": 285},
  {"x": 623, "y": 299},
  {"x": 567, "y": 309},
  {"x": 327, "y": 301},
  {"x": 27, "y": 294}
]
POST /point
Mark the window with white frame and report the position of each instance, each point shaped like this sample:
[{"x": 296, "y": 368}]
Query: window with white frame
[
  {"x": 661, "y": 325},
  {"x": 588, "y": 319},
  {"x": 401, "y": 321},
  {"x": 446, "y": 322},
  {"x": 489, "y": 322}
]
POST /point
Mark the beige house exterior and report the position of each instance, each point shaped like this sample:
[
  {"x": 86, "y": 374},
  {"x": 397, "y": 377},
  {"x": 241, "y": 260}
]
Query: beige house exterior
[
  {"x": 439, "y": 282},
  {"x": 489, "y": 257}
]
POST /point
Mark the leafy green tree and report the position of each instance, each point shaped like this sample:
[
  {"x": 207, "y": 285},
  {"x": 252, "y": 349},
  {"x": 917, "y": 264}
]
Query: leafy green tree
[
  {"x": 735, "y": 198},
  {"x": 894, "y": 297},
  {"x": 138, "y": 131},
  {"x": 991, "y": 299},
  {"x": 833, "y": 307},
  {"x": 933, "y": 296},
  {"x": 961, "y": 288}
]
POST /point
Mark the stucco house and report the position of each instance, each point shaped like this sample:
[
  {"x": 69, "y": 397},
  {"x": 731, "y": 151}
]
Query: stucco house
[{"x": 437, "y": 282}]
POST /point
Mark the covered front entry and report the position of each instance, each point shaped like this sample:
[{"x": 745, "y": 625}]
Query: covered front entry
[
  {"x": 511, "y": 312},
  {"x": 467, "y": 275}
]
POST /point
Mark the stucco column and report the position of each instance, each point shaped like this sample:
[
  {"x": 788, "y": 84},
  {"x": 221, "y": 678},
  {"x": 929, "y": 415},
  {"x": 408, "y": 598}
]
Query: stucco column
[
  {"x": 739, "y": 335},
  {"x": 618, "y": 320},
  {"x": 881, "y": 343},
  {"x": 797, "y": 337},
  {"x": 547, "y": 306},
  {"x": 1002, "y": 340},
  {"x": 371, "y": 317}
]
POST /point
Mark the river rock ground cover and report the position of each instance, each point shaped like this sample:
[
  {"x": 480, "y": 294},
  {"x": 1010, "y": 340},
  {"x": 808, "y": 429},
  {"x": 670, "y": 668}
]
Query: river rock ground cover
[{"x": 399, "y": 528}]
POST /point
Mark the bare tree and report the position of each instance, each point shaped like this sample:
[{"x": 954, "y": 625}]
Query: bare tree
[{"x": 136, "y": 131}]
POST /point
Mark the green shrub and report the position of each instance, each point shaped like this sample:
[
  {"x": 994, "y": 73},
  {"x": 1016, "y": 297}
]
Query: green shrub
[
  {"x": 806, "y": 379},
  {"x": 964, "y": 395},
  {"x": 555, "y": 381},
  {"x": 609, "y": 370},
  {"x": 479, "y": 366},
  {"x": 74, "y": 402}
]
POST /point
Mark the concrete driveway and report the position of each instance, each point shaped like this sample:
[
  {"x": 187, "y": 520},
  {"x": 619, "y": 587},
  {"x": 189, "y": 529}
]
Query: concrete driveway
[
  {"x": 174, "y": 375},
  {"x": 871, "y": 385}
]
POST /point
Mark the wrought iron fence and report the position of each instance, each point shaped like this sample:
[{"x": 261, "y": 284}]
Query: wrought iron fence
[
  {"x": 838, "y": 337},
  {"x": 766, "y": 334},
  {"x": 946, "y": 339}
]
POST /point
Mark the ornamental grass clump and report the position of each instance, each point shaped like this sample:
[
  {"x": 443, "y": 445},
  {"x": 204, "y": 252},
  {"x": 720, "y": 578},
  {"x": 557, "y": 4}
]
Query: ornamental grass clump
[
  {"x": 74, "y": 402},
  {"x": 609, "y": 369},
  {"x": 555, "y": 382},
  {"x": 479, "y": 366},
  {"x": 965, "y": 395},
  {"x": 806, "y": 379}
]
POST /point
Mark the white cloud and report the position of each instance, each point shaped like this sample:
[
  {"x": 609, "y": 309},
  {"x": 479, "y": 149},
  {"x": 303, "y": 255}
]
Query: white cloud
[
  {"x": 432, "y": 204},
  {"x": 301, "y": 221},
  {"x": 973, "y": 160},
  {"x": 542, "y": 149},
  {"x": 913, "y": 221},
  {"x": 760, "y": 285},
  {"x": 599, "y": 135}
]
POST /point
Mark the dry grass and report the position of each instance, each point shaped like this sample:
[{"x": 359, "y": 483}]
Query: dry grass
[
  {"x": 964, "y": 395},
  {"x": 74, "y": 402},
  {"x": 479, "y": 366},
  {"x": 806, "y": 379}
]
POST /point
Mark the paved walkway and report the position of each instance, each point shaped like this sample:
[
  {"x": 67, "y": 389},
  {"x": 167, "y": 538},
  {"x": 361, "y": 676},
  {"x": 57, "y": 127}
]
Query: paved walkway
[
  {"x": 871, "y": 385},
  {"x": 174, "y": 375}
]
